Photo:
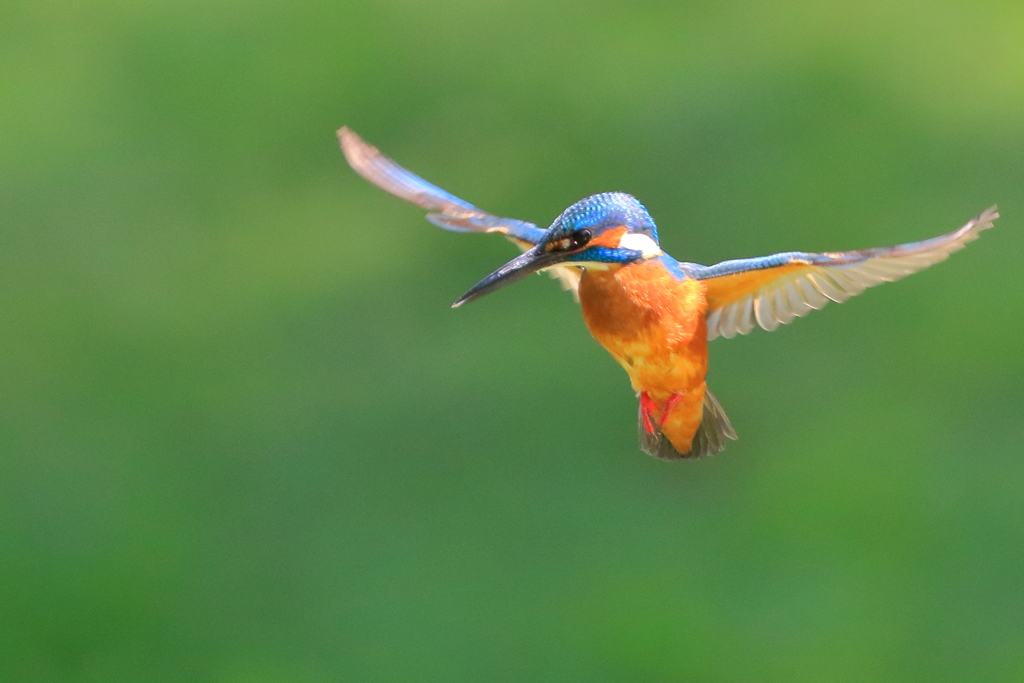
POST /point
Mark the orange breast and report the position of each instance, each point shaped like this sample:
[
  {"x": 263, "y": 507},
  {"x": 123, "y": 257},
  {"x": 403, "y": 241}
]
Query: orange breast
[{"x": 653, "y": 325}]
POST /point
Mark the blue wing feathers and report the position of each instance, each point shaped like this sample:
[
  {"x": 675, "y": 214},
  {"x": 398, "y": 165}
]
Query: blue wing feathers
[
  {"x": 679, "y": 270},
  {"x": 734, "y": 266},
  {"x": 527, "y": 232},
  {"x": 452, "y": 213}
]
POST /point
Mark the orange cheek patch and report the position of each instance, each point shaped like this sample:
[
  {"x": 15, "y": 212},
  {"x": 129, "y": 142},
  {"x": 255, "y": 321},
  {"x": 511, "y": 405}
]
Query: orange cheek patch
[{"x": 609, "y": 238}]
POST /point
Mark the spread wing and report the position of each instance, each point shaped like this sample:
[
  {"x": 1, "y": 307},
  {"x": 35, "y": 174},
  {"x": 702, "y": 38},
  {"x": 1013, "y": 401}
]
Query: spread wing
[
  {"x": 773, "y": 290},
  {"x": 448, "y": 211}
]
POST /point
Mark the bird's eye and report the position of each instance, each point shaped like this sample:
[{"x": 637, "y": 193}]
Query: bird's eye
[
  {"x": 580, "y": 238},
  {"x": 576, "y": 240}
]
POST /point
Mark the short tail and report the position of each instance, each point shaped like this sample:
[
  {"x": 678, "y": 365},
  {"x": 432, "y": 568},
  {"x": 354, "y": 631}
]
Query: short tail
[{"x": 710, "y": 438}]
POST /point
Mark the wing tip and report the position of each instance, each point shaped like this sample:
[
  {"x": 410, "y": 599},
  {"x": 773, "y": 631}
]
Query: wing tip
[
  {"x": 347, "y": 137},
  {"x": 358, "y": 152},
  {"x": 985, "y": 218},
  {"x": 971, "y": 230}
]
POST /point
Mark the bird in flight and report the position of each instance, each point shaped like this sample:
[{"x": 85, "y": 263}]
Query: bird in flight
[{"x": 654, "y": 314}]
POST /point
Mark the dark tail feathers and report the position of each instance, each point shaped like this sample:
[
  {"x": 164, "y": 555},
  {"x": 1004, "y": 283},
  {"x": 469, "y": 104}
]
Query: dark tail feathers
[{"x": 710, "y": 438}]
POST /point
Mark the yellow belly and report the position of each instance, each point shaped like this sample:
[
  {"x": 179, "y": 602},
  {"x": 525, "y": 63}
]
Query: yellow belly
[{"x": 653, "y": 325}]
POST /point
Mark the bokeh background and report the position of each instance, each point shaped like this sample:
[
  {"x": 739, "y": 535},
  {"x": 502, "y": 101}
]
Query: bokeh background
[{"x": 243, "y": 437}]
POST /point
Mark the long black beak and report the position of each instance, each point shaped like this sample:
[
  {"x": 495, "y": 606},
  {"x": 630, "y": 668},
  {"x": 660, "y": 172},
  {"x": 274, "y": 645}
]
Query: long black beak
[{"x": 525, "y": 264}]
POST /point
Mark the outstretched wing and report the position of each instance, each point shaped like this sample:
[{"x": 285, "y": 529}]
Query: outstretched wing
[
  {"x": 773, "y": 290},
  {"x": 448, "y": 211}
]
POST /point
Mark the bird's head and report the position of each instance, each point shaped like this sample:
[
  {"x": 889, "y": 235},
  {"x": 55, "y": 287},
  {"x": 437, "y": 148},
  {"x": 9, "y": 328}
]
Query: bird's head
[{"x": 603, "y": 229}]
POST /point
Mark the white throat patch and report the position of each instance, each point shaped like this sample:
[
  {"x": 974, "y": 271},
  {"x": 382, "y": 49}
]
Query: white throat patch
[{"x": 640, "y": 242}]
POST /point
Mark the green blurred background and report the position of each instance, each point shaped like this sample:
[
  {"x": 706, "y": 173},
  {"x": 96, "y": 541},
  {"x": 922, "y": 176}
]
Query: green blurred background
[{"x": 243, "y": 437}]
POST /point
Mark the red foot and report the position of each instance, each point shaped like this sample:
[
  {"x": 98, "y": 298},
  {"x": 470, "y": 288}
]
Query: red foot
[
  {"x": 671, "y": 403},
  {"x": 647, "y": 408}
]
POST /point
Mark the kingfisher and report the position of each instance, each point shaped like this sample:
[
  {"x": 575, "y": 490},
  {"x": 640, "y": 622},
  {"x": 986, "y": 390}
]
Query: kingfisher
[{"x": 652, "y": 313}]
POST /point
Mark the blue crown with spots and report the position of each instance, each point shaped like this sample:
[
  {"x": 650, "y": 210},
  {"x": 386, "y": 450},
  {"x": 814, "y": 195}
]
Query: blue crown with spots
[{"x": 605, "y": 210}]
